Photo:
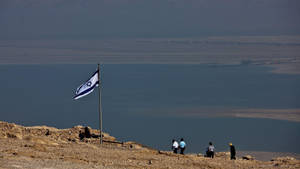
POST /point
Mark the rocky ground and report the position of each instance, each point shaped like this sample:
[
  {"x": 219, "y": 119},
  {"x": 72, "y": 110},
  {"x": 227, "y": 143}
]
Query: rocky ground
[{"x": 43, "y": 147}]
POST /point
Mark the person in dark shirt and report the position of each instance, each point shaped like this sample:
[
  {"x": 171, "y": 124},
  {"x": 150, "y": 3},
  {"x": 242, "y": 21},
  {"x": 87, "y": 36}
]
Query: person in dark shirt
[
  {"x": 232, "y": 151},
  {"x": 87, "y": 132},
  {"x": 81, "y": 135}
]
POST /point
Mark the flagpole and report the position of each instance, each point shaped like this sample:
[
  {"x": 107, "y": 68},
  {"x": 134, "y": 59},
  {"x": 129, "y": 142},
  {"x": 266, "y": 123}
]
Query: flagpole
[{"x": 100, "y": 105}]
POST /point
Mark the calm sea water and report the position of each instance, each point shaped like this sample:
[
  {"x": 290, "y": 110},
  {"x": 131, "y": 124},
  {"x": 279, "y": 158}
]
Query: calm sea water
[{"x": 151, "y": 103}]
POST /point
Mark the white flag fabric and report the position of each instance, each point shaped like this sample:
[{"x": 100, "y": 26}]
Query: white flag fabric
[{"x": 87, "y": 87}]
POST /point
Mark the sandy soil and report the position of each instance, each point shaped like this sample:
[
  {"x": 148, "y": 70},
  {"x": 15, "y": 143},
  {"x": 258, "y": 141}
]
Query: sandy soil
[{"x": 48, "y": 148}]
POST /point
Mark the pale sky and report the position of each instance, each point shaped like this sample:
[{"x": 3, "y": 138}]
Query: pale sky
[{"x": 68, "y": 19}]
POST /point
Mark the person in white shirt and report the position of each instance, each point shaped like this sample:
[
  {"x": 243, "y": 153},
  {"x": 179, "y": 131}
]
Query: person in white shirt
[
  {"x": 210, "y": 150},
  {"x": 175, "y": 146}
]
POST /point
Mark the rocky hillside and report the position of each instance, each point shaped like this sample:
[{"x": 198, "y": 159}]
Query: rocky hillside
[{"x": 43, "y": 147}]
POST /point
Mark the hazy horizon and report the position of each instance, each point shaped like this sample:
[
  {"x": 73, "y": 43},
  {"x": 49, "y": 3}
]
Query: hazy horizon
[{"x": 89, "y": 19}]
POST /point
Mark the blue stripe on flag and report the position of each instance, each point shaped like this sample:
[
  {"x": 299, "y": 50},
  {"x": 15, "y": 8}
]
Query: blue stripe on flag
[{"x": 86, "y": 91}]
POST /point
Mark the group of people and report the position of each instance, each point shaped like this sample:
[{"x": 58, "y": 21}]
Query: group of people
[
  {"x": 181, "y": 146},
  {"x": 210, "y": 151}
]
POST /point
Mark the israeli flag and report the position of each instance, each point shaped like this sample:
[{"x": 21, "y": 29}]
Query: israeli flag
[{"x": 87, "y": 87}]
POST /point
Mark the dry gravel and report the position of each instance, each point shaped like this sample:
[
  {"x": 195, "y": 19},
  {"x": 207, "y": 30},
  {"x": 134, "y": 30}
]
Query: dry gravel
[{"x": 31, "y": 148}]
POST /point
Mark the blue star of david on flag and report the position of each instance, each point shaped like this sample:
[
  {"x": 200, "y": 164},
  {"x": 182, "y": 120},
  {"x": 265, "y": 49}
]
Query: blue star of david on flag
[{"x": 87, "y": 87}]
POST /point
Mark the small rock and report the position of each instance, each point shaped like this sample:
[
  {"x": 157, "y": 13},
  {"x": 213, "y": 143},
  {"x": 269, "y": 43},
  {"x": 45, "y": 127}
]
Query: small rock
[
  {"x": 200, "y": 155},
  {"x": 276, "y": 165},
  {"x": 71, "y": 139},
  {"x": 247, "y": 157},
  {"x": 150, "y": 162},
  {"x": 14, "y": 135}
]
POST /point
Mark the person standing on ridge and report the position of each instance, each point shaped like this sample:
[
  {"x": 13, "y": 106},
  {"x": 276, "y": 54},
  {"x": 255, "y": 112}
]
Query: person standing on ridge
[
  {"x": 210, "y": 150},
  {"x": 232, "y": 151},
  {"x": 182, "y": 146},
  {"x": 175, "y": 146}
]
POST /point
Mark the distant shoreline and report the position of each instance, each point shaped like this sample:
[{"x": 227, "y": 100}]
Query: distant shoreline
[{"x": 281, "y": 53}]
